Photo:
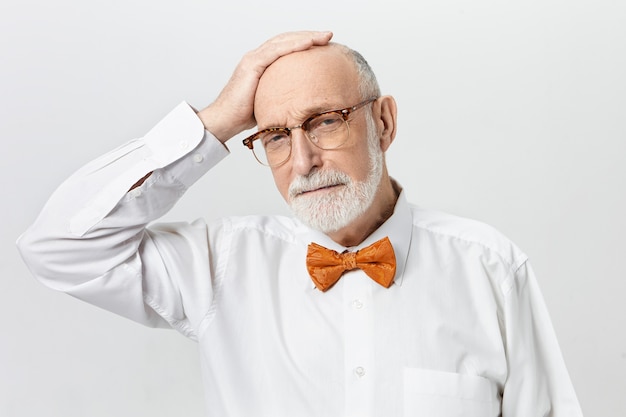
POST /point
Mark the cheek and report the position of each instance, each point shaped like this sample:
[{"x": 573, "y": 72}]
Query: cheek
[
  {"x": 358, "y": 162},
  {"x": 361, "y": 173},
  {"x": 359, "y": 165}
]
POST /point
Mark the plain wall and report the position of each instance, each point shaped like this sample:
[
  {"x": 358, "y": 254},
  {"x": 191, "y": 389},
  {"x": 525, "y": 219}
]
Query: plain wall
[{"x": 512, "y": 113}]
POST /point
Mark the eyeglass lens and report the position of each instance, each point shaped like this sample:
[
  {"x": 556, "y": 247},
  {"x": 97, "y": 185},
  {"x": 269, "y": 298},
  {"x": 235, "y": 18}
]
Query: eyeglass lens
[{"x": 326, "y": 131}]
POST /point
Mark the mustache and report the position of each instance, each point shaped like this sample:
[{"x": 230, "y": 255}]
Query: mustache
[{"x": 316, "y": 180}]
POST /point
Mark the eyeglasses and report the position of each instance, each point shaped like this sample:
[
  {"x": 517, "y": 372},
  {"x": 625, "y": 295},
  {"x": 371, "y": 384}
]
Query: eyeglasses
[{"x": 327, "y": 130}]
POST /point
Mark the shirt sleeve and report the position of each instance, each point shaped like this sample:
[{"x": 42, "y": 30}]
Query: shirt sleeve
[
  {"x": 91, "y": 241},
  {"x": 538, "y": 384}
]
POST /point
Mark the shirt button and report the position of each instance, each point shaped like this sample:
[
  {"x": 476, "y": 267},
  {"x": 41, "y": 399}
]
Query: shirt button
[
  {"x": 359, "y": 371},
  {"x": 198, "y": 158},
  {"x": 358, "y": 304},
  {"x": 135, "y": 193},
  {"x": 183, "y": 144}
]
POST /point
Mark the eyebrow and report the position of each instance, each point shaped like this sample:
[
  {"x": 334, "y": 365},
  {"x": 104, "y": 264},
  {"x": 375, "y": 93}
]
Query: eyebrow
[{"x": 302, "y": 115}]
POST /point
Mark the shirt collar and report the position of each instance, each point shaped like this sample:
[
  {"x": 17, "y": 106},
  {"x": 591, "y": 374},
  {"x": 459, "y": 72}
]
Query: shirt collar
[{"x": 398, "y": 228}]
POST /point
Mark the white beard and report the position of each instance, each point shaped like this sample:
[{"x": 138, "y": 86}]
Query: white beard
[{"x": 329, "y": 211}]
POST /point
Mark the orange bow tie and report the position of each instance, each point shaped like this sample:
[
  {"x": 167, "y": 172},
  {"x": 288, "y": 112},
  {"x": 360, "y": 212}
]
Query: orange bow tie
[{"x": 326, "y": 266}]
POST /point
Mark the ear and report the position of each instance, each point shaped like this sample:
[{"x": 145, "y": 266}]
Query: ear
[{"x": 385, "y": 115}]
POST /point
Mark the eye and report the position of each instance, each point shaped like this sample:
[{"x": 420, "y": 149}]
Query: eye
[
  {"x": 326, "y": 122},
  {"x": 274, "y": 139}
]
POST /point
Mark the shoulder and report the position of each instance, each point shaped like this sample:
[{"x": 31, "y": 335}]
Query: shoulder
[{"x": 464, "y": 232}]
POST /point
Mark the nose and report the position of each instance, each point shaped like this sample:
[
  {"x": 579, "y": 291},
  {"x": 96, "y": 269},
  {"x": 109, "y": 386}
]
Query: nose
[{"x": 304, "y": 155}]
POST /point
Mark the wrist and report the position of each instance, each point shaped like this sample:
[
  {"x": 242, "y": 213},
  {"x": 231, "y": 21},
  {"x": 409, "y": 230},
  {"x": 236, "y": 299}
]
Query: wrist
[
  {"x": 211, "y": 122},
  {"x": 221, "y": 124}
]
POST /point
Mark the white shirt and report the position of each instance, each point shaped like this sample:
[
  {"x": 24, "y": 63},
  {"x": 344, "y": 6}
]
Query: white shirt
[{"x": 462, "y": 331}]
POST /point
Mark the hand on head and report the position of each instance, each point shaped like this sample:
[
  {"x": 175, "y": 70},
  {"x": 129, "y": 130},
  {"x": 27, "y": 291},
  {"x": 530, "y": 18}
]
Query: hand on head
[{"x": 232, "y": 111}]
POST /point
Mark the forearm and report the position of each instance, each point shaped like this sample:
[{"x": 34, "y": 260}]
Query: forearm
[{"x": 92, "y": 222}]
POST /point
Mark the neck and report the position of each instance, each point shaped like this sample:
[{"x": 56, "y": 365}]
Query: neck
[{"x": 380, "y": 210}]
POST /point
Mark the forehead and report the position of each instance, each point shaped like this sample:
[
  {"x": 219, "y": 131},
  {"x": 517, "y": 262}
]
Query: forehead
[{"x": 302, "y": 83}]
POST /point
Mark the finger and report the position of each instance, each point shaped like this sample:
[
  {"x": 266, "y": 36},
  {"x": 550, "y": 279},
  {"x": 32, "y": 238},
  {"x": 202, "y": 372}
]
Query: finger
[
  {"x": 297, "y": 41},
  {"x": 305, "y": 38},
  {"x": 287, "y": 43}
]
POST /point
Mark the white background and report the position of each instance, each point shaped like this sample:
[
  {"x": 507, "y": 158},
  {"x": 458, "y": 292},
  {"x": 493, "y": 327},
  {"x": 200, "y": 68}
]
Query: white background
[{"x": 512, "y": 113}]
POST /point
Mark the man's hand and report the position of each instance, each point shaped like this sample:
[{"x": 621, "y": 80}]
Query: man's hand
[{"x": 232, "y": 111}]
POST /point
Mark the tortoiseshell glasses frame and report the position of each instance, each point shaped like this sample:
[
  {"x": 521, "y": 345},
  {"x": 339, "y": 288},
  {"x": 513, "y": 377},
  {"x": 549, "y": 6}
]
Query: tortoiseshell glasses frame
[{"x": 326, "y": 130}]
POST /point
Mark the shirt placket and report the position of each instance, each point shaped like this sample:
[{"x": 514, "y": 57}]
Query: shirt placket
[{"x": 359, "y": 360}]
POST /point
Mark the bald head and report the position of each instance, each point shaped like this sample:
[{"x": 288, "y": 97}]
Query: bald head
[{"x": 315, "y": 76}]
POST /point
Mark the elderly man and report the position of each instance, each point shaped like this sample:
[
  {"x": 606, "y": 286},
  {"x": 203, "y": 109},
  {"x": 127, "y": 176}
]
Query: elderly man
[{"x": 361, "y": 305}]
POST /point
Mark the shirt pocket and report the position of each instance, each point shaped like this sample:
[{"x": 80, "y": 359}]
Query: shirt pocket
[{"x": 445, "y": 394}]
